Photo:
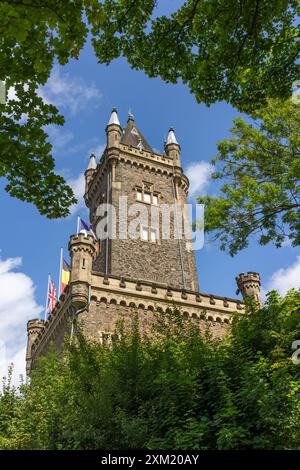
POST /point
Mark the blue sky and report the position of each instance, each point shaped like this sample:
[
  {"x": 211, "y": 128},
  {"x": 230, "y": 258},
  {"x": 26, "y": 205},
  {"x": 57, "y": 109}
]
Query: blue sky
[{"x": 85, "y": 93}]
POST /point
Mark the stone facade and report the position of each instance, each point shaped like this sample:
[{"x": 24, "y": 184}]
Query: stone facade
[{"x": 127, "y": 276}]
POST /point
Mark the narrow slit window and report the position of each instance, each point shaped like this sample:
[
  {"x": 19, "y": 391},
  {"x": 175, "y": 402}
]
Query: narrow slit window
[
  {"x": 155, "y": 200},
  {"x": 139, "y": 195}
]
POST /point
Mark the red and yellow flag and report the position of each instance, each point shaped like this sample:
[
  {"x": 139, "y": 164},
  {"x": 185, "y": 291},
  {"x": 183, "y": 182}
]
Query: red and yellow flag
[{"x": 65, "y": 275}]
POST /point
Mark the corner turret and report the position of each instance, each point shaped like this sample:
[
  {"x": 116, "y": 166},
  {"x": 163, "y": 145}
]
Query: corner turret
[
  {"x": 172, "y": 147},
  {"x": 34, "y": 327},
  {"x": 113, "y": 130},
  {"x": 249, "y": 285},
  {"x": 89, "y": 172},
  {"x": 82, "y": 250}
]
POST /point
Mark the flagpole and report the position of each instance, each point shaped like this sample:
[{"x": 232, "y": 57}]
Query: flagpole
[
  {"x": 45, "y": 315},
  {"x": 60, "y": 270},
  {"x": 78, "y": 224}
]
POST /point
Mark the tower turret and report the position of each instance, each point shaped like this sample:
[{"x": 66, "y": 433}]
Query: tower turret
[
  {"x": 34, "y": 327},
  {"x": 172, "y": 147},
  {"x": 113, "y": 130},
  {"x": 89, "y": 172},
  {"x": 82, "y": 250},
  {"x": 249, "y": 285}
]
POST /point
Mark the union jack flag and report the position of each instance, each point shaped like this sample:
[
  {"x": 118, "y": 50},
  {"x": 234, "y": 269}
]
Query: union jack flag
[{"x": 51, "y": 296}]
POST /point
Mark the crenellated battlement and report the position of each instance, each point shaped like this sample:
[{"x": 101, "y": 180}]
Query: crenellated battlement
[
  {"x": 162, "y": 293},
  {"x": 82, "y": 242},
  {"x": 249, "y": 276},
  {"x": 35, "y": 326},
  {"x": 249, "y": 285},
  {"x": 55, "y": 326}
]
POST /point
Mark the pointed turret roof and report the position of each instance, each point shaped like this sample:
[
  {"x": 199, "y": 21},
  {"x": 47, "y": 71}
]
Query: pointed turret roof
[
  {"x": 114, "y": 118},
  {"x": 133, "y": 136},
  {"x": 171, "y": 139},
  {"x": 92, "y": 163}
]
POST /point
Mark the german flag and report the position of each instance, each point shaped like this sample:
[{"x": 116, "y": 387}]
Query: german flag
[{"x": 65, "y": 275}]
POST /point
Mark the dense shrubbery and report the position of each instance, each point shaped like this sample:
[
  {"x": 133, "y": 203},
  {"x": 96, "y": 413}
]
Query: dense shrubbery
[{"x": 183, "y": 391}]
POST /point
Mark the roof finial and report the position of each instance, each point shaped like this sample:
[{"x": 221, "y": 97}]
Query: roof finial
[
  {"x": 92, "y": 163},
  {"x": 130, "y": 115},
  {"x": 171, "y": 139},
  {"x": 114, "y": 118}
]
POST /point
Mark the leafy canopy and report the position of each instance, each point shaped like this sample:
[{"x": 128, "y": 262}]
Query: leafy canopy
[
  {"x": 32, "y": 37},
  {"x": 182, "y": 390},
  {"x": 241, "y": 51},
  {"x": 259, "y": 167},
  {"x": 234, "y": 50}
]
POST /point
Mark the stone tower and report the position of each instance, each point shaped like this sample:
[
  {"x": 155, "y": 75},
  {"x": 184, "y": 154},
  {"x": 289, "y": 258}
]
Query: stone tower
[
  {"x": 82, "y": 249},
  {"x": 130, "y": 170},
  {"x": 34, "y": 328},
  {"x": 119, "y": 275},
  {"x": 249, "y": 285}
]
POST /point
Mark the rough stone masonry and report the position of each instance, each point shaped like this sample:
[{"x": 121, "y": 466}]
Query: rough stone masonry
[{"x": 118, "y": 277}]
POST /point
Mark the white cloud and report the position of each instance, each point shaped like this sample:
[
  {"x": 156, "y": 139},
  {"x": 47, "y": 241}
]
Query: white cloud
[
  {"x": 287, "y": 242},
  {"x": 78, "y": 186},
  {"x": 17, "y": 306},
  {"x": 199, "y": 175},
  {"x": 285, "y": 278},
  {"x": 59, "y": 138},
  {"x": 71, "y": 94},
  {"x": 79, "y": 148}
]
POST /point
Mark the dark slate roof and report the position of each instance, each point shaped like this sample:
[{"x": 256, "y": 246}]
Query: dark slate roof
[{"x": 133, "y": 136}]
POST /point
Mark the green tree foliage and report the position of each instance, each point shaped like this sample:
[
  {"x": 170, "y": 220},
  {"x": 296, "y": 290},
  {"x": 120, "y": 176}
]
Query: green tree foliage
[
  {"x": 33, "y": 36},
  {"x": 182, "y": 390},
  {"x": 9, "y": 402},
  {"x": 234, "y": 50},
  {"x": 241, "y": 51},
  {"x": 260, "y": 168}
]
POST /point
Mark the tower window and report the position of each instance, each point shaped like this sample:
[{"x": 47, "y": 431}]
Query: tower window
[
  {"x": 147, "y": 198},
  {"x": 149, "y": 234}
]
